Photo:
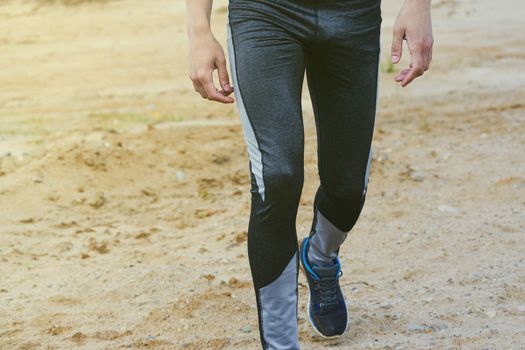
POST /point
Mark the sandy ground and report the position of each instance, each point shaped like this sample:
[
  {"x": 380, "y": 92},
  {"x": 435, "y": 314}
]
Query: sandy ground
[{"x": 124, "y": 197}]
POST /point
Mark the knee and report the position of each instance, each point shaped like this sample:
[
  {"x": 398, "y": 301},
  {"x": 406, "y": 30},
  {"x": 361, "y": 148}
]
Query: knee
[
  {"x": 343, "y": 206},
  {"x": 285, "y": 180},
  {"x": 346, "y": 204},
  {"x": 348, "y": 196}
]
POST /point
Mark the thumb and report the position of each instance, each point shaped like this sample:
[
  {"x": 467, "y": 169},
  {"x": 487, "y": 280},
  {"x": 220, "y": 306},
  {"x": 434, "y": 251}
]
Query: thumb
[{"x": 397, "y": 44}]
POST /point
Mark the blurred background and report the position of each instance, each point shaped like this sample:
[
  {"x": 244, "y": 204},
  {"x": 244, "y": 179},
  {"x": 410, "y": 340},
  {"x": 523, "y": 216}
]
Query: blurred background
[{"x": 124, "y": 196}]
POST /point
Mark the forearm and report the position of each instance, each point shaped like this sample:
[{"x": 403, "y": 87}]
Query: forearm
[{"x": 199, "y": 14}]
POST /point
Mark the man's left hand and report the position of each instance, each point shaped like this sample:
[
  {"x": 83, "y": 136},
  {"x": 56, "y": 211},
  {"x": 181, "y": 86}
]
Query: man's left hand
[{"x": 414, "y": 25}]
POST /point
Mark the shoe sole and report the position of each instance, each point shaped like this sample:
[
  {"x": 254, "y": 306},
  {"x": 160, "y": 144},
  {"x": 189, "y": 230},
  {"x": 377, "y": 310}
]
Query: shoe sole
[{"x": 308, "y": 310}]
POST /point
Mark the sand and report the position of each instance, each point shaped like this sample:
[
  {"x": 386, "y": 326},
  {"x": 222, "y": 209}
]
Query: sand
[{"x": 124, "y": 196}]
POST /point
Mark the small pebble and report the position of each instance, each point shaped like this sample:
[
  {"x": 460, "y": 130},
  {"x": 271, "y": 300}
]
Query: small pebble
[
  {"x": 180, "y": 175},
  {"x": 385, "y": 305},
  {"x": 417, "y": 176},
  {"x": 447, "y": 209},
  {"x": 412, "y": 327},
  {"x": 491, "y": 313}
]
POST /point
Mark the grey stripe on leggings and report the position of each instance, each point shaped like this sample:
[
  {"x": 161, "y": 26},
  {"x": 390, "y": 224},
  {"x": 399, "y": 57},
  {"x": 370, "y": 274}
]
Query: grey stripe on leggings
[{"x": 249, "y": 135}]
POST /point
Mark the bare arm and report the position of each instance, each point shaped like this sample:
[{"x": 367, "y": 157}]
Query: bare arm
[
  {"x": 414, "y": 25},
  {"x": 206, "y": 53}
]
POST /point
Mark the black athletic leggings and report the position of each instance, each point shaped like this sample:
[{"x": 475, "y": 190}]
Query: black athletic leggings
[{"x": 271, "y": 43}]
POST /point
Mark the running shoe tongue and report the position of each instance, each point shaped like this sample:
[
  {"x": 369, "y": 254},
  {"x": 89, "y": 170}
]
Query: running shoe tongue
[{"x": 329, "y": 271}]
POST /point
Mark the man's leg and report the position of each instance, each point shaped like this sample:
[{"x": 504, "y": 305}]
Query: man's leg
[
  {"x": 342, "y": 73},
  {"x": 267, "y": 65}
]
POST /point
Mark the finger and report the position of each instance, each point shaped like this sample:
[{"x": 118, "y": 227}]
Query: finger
[
  {"x": 402, "y": 74},
  {"x": 205, "y": 78},
  {"x": 198, "y": 87},
  {"x": 213, "y": 93},
  {"x": 415, "y": 72},
  {"x": 225, "y": 93},
  {"x": 202, "y": 91},
  {"x": 417, "y": 60},
  {"x": 397, "y": 44},
  {"x": 224, "y": 78}
]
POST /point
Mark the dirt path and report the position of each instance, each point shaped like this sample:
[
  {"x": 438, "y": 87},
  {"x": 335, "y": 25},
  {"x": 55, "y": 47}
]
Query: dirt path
[{"x": 124, "y": 197}]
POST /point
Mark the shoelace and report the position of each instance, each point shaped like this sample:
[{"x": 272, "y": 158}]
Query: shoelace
[{"x": 327, "y": 288}]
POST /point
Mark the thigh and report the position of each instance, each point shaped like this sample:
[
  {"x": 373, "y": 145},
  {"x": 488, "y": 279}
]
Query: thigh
[
  {"x": 267, "y": 68},
  {"x": 342, "y": 70}
]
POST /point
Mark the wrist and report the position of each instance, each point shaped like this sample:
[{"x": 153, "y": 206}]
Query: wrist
[
  {"x": 424, "y": 3},
  {"x": 195, "y": 30}
]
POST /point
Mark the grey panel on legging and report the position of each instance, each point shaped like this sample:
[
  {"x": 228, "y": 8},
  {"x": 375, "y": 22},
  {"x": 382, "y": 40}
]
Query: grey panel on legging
[
  {"x": 254, "y": 152},
  {"x": 279, "y": 309},
  {"x": 367, "y": 171},
  {"x": 324, "y": 242}
]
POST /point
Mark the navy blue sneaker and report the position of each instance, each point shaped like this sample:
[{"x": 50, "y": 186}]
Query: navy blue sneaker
[{"x": 327, "y": 310}]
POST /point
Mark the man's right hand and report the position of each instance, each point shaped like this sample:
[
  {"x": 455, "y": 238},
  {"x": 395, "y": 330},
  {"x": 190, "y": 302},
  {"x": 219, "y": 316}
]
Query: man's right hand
[{"x": 206, "y": 55}]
